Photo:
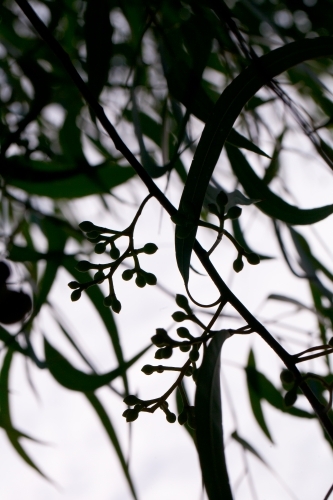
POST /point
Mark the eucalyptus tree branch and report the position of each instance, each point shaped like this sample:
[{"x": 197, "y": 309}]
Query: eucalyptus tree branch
[{"x": 153, "y": 189}]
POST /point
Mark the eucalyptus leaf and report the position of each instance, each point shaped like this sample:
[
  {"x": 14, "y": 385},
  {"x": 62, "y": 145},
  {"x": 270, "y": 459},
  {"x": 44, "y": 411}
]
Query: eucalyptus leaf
[{"x": 209, "y": 423}]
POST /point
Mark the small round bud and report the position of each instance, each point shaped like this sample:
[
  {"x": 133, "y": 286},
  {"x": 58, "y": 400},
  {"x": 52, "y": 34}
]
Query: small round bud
[
  {"x": 194, "y": 354},
  {"x": 83, "y": 266},
  {"x": 184, "y": 333},
  {"x": 92, "y": 235},
  {"x": 287, "y": 377},
  {"x": 222, "y": 199},
  {"x": 151, "y": 279},
  {"x": 195, "y": 375},
  {"x": 75, "y": 295},
  {"x": 182, "y": 301},
  {"x": 127, "y": 275},
  {"x": 140, "y": 281},
  {"x": 150, "y": 248},
  {"x": 189, "y": 371},
  {"x": 160, "y": 369},
  {"x": 252, "y": 258},
  {"x": 73, "y": 285},
  {"x": 114, "y": 253},
  {"x": 160, "y": 340},
  {"x": 99, "y": 276},
  {"x": 234, "y": 213},
  {"x": 116, "y": 306},
  {"x": 171, "y": 417},
  {"x": 290, "y": 397},
  {"x": 238, "y": 264},
  {"x": 108, "y": 301},
  {"x": 131, "y": 400},
  {"x": 179, "y": 316},
  {"x": 159, "y": 354},
  {"x": 132, "y": 415},
  {"x": 147, "y": 369},
  {"x": 185, "y": 348},
  {"x": 100, "y": 248},
  {"x": 125, "y": 413},
  {"x": 213, "y": 209},
  {"x": 182, "y": 417},
  {"x": 167, "y": 352},
  {"x": 330, "y": 342},
  {"x": 87, "y": 226}
]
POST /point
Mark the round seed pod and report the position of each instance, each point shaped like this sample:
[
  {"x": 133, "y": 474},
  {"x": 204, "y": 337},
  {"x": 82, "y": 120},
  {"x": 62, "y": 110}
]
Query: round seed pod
[
  {"x": 185, "y": 348},
  {"x": 100, "y": 248},
  {"x": 125, "y": 412},
  {"x": 4, "y": 273},
  {"x": 140, "y": 281},
  {"x": 189, "y": 371},
  {"x": 238, "y": 264},
  {"x": 87, "y": 226},
  {"x": 160, "y": 340},
  {"x": 222, "y": 199},
  {"x": 116, "y": 306},
  {"x": 99, "y": 276},
  {"x": 14, "y": 306},
  {"x": 132, "y": 415},
  {"x": 73, "y": 285},
  {"x": 114, "y": 253},
  {"x": 83, "y": 266},
  {"x": 76, "y": 295},
  {"x": 160, "y": 369},
  {"x": 131, "y": 400},
  {"x": 179, "y": 316},
  {"x": 147, "y": 369},
  {"x": 182, "y": 417},
  {"x": 151, "y": 279},
  {"x": 171, "y": 417},
  {"x": 150, "y": 248},
  {"x": 128, "y": 274},
  {"x": 234, "y": 213},
  {"x": 252, "y": 258}
]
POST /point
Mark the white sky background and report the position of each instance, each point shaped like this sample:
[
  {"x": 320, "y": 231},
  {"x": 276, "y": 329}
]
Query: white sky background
[{"x": 78, "y": 455}]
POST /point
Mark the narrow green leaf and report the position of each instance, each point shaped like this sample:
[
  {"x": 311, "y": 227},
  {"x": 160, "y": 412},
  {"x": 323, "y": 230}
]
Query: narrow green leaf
[
  {"x": 107, "y": 424},
  {"x": 254, "y": 395},
  {"x": 12, "y": 433},
  {"x": 239, "y": 141},
  {"x": 76, "y": 380},
  {"x": 271, "y": 204},
  {"x": 180, "y": 406},
  {"x": 217, "y": 129},
  {"x": 209, "y": 423}
]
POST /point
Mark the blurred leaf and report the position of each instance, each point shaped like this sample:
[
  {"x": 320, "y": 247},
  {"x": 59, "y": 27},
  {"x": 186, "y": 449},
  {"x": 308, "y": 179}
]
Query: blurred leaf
[
  {"x": 255, "y": 395},
  {"x": 54, "y": 180},
  {"x": 209, "y": 423},
  {"x": 272, "y": 205},
  {"x": 274, "y": 166},
  {"x": 180, "y": 407},
  {"x": 97, "y": 298},
  {"x": 238, "y": 234},
  {"x": 76, "y": 380},
  {"x": 107, "y": 424},
  {"x": 247, "y": 446},
  {"x": 12, "y": 433},
  {"x": 98, "y": 36},
  {"x": 239, "y": 141}
]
